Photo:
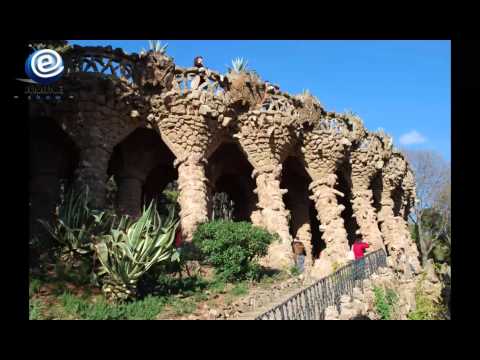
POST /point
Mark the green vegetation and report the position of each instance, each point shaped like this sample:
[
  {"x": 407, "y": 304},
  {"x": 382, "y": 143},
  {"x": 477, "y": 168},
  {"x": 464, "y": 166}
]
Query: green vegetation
[
  {"x": 425, "y": 308},
  {"x": 145, "y": 309},
  {"x": 131, "y": 248},
  {"x": 294, "y": 271},
  {"x": 232, "y": 248},
  {"x": 385, "y": 301},
  {"x": 239, "y": 65},
  {"x": 35, "y": 310},
  {"x": 75, "y": 224},
  {"x": 136, "y": 265}
]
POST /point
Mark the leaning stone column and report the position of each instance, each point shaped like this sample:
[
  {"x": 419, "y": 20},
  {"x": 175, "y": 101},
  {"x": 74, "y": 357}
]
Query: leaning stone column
[
  {"x": 332, "y": 227},
  {"x": 324, "y": 149},
  {"x": 193, "y": 199},
  {"x": 366, "y": 160},
  {"x": 270, "y": 202},
  {"x": 365, "y": 214},
  {"x": 399, "y": 243},
  {"x": 92, "y": 172}
]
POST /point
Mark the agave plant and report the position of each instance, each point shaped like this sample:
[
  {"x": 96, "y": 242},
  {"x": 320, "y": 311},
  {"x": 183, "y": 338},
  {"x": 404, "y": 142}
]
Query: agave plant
[
  {"x": 156, "y": 46},
  {"x": 132, "y": 248},
  {"x": 238, "y": 65},
  {"x": 75, "y": 223}
]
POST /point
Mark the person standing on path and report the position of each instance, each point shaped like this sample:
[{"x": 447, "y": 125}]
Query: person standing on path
[{"x": 359, "y": 248}]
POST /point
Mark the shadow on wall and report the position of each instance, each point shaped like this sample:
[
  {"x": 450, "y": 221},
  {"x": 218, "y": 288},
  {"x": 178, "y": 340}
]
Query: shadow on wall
[{"x": 344, "y": 186}]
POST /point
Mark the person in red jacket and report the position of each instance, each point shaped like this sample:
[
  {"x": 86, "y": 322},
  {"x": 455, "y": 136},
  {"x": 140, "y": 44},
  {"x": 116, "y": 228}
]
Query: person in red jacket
[{"x": 359, "y": 248}]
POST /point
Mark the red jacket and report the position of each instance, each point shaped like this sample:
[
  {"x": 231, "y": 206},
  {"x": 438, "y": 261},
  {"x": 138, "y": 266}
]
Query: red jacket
[
  {"x": 178, "y": 238},
  {"x": 359, "y": 248}
]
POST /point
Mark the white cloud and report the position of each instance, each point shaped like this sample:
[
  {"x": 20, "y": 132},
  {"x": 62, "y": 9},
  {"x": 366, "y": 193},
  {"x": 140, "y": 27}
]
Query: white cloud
[{"x": 411, "y": 138}]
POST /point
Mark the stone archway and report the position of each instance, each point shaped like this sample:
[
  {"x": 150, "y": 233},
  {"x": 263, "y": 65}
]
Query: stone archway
[
  {"x": 53, "y": 159},
  {"x": 230, "y": 172},
  {"x": 142, "y": 166},
  {"x": 304, "y": 225}
]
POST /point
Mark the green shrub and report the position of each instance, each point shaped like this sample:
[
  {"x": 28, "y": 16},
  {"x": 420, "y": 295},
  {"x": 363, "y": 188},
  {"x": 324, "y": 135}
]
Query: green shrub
[
  {"x": 239, "y": 290},
  {"x": 233, "y": 248},
  {"x": 294, "y": 271},
  {"x": 35, "y": 310},
  {"x": 384, "y": 302},
  {"x": 35, "y": 285},
  {"x": 425, "y": 307}
]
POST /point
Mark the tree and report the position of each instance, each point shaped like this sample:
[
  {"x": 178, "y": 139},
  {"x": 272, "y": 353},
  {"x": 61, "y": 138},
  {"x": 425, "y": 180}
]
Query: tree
[{"x": 432, "y": 212}]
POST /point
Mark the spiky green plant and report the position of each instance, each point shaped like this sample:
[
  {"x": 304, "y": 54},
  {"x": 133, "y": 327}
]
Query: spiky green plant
[
  {"x": 132, "y": 248},
  {"x": 74, "y": 224},
  {"x": 156, "y": 46},
  {"x": 239, "y": 65}
]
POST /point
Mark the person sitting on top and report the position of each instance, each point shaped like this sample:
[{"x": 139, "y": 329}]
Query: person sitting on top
[
  {"x": 200, "y": 78},
  {"x": 265, "y": 101}
]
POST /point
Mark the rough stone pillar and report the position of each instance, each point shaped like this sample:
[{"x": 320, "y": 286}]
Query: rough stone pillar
[
  {"x": 273, "y": 216},
  {"x": 129, "y": 196},
  {"x": 397, "y": 237},
  {"x": 333, "y": 229},
  {"x": 270, "y": 203},
  {"x": 193, "y": 199},
  {"x": 92, "y": 172},
  {"x": 365, "y": 214}
]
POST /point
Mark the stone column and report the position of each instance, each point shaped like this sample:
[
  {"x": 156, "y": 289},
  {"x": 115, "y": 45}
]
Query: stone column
[
  {"x": 92, "y": 172},
  {"x": 129, "y": 196},
  {"x": 397, "y": 237},
  {"x": 333, "y": 229},
  {"x": 193, "y": 199},
  {"x": 365, "y": 214},
  {"x": 273, "y": 216},
  {"x": 301, "y": 221},
  {"x": 270, "y": 203}
]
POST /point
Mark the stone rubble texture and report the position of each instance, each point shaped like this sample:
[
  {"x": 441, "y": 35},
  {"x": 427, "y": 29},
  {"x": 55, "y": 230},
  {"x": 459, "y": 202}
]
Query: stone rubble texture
[{"x": 191, "y": 122}]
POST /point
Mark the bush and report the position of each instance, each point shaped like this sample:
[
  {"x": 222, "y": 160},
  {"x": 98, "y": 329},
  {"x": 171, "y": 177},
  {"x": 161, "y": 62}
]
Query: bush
[
  {"x": 233, "y": 248},
  {"x": 425, "y": 307},
  {"x": 384, "y": 302}
]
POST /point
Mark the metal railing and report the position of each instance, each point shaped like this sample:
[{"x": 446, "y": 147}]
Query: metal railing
[{"x": 311, "y": 302}]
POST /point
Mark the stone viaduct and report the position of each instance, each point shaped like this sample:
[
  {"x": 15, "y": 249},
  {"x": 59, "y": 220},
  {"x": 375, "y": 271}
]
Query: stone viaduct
[{"x": 290, "y": 165}]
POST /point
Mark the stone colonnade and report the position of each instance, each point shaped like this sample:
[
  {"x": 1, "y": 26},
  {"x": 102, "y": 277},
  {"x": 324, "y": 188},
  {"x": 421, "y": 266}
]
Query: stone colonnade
[{"x": 193, "y": 123}]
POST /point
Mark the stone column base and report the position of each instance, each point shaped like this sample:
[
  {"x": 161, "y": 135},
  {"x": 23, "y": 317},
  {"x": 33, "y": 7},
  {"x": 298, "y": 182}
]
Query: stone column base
[{"x": 279, "y": 257}]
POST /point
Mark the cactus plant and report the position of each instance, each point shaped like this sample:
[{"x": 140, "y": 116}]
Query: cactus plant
[
  {"x": 75, "y": 223},
  {"x": 155, "y": 46},
  {"x": 239, "y": 65},
  {"x": 132, "y": 248}
]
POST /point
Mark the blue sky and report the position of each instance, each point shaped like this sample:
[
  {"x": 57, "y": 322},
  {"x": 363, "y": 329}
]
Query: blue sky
[{"x": 400, "y": 86}]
